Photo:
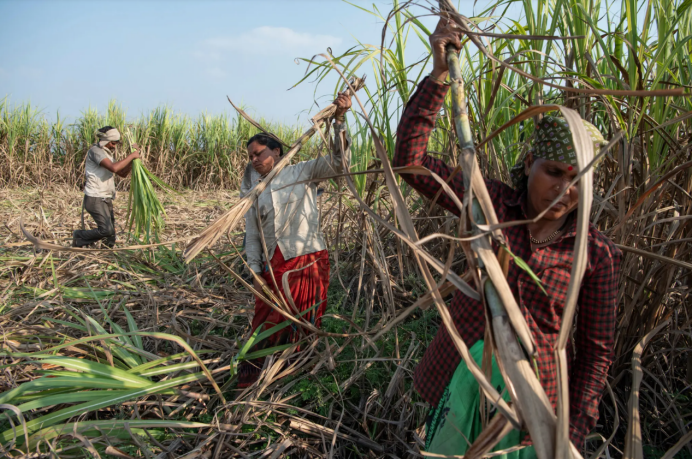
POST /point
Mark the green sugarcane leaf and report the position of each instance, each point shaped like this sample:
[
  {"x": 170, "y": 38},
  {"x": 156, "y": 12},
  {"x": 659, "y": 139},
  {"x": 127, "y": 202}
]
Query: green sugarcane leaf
[
  {"x": 267, "y": 351},
  {"x": 56, "y": 417},
  {"x": 265, "y": 334},
  {"x": 71, "y": 397},
  {"x": 120, "y": 330},
  {"x": 249, "y": 343},
  {"x": 46, "y": 383},
  {"x": 169, "y": 369},
  {"x": 132, "y": 325},
  {"x": 159, "y": 335},
  {"x": 112, "y": 429},
  {"x": 166, "y": 359},
  {"x": 258, "y": 337},
  {"x": 523, "y": 265},
  {"x": 118, "y": 351},
  {"x": 97, "y": 369},
  {"x": 43, "y": 394},
  {"x": 65, "y": 323},
  {"x": 53, "y": 272}
]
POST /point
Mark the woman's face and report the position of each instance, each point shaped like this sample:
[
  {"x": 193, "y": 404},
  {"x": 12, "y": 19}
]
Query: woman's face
[
  {"x": 262, "y": 157},
  {"x": 546, "y": 180}
]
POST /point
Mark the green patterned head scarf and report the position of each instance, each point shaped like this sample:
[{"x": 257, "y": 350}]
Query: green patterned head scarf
[{"x": 553, "y": 141}]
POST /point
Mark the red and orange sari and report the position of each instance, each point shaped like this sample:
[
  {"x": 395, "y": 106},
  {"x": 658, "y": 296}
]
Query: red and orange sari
[{"x": 308, "y": 281}]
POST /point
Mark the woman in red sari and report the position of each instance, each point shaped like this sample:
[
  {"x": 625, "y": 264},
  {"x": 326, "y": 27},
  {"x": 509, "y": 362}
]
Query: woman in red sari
[{"x": 284, "y": 228}]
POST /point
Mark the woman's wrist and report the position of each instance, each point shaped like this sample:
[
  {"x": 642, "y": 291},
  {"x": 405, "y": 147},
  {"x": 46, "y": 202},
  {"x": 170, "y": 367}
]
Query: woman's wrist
[
  {"x": 439, "y": 77},
  {"x": 440, "y": 74}
]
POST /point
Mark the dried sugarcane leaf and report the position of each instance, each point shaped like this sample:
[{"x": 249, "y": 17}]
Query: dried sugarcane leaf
[
  {"x": 496, "y": 430},
  {"x": 633, "y": 447},
  {"x": 607, "y": 442},
  {"x": 255, "y": 123},
  {"x": 648, "y": 192},
  {"x": 652, "y": 255},
  {"x": 680, "y": 444},
  {"x": 524, "y": 387},
  {"x": 423, "y": 303},
  {"x": 527, "y": 113},
  {"x": 583, "y": 152},
  {"x": 46, "y": 246}
]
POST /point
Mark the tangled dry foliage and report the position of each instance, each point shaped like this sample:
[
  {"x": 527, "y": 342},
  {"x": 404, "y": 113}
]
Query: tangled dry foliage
[
  {"x": 339, "y": 397},
  {"x": 346, "y": 393},
  {"x": 353, "y": 403}
]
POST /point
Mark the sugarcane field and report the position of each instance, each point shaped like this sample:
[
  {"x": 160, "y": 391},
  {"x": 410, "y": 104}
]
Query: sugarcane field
[{"x": 390, "y": 229}]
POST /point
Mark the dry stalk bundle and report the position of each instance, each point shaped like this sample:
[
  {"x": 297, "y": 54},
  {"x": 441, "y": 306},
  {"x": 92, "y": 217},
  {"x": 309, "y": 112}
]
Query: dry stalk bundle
[{"x": 229, "y": 220}]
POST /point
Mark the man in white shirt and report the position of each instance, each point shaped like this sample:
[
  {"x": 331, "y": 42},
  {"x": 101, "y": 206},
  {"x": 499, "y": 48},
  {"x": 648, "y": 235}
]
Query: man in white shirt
[{"x": 99, "y": 187}]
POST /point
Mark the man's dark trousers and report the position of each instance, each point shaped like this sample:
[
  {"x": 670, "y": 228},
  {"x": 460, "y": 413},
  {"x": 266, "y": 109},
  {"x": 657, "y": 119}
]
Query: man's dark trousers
[{"x": 101, "y": 209}]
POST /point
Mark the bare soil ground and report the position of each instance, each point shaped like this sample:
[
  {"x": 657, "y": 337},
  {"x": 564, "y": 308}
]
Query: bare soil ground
[{"x": 58, "y": 210}]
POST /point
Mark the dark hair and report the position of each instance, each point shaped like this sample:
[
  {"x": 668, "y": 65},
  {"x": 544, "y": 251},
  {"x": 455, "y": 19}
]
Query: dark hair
[
  {"x": 106, "y": 129},
  {"x": 267, "y": 140}
]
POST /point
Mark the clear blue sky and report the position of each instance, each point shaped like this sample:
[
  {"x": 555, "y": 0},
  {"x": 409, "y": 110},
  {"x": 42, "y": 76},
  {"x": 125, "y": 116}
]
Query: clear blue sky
[{"x": 68, "y": 55}]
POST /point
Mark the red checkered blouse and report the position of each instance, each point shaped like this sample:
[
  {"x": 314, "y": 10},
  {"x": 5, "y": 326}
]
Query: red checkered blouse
[{"x": 596, "y": 317}]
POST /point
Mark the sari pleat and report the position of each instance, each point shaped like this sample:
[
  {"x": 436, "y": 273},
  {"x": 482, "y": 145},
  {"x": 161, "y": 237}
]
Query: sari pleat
[{"x": 308, "y": 280}]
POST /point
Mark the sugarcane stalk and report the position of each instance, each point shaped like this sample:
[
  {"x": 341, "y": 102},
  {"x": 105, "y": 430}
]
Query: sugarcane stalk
[
  {"x": 507, "y": 320},
  {"x": 476, "y": 191}
]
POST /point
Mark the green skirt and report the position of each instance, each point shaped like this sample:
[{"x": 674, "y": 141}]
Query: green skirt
[{"x": 456, "y": 422}]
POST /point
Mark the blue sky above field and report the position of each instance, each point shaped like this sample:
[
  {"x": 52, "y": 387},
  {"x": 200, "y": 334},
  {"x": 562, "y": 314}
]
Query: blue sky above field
[{"x": 69, "y": 55}]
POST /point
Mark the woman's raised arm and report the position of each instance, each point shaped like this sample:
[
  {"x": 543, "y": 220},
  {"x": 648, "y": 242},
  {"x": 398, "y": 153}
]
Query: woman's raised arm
[{"x": 419, "y": 119}]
